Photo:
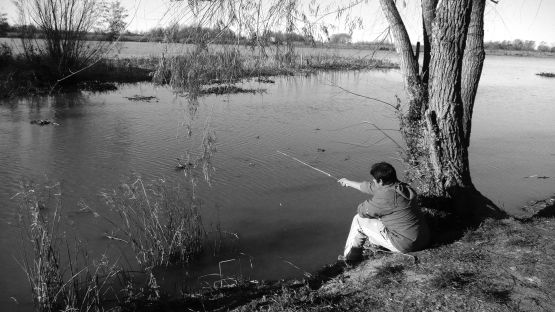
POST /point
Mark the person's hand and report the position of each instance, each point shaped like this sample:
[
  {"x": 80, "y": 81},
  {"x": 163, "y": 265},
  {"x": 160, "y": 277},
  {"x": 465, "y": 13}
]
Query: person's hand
[{"x": 343, "y": 181}]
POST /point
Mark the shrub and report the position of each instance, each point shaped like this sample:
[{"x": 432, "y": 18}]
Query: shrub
[
  {"x": 189, "y": 71},
  {"x": 6, "y": 55},
  {"x": 63, "y": 26}
]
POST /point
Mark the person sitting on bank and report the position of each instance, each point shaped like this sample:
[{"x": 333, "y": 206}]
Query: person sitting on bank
[{"x": 389, "y": 218}]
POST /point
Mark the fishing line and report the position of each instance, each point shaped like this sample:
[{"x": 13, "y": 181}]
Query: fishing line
[{"x": 312, "y": 167}]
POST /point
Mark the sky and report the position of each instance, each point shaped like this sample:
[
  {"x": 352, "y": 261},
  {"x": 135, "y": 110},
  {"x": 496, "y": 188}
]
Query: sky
[{"x": 507, "y": 20}]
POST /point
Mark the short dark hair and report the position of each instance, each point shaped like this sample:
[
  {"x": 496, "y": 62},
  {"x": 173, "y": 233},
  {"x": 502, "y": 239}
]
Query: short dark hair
[{"x": 384, "y": 172}]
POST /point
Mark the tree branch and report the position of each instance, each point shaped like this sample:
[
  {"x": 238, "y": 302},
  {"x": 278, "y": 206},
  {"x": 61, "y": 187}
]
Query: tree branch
[
  {"x": 473, "y": 62},
  {"x": 409, "y": 65}
]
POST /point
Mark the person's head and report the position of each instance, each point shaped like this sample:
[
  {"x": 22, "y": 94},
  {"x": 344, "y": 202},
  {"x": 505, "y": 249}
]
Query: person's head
[{"x": 384, "y": 173}]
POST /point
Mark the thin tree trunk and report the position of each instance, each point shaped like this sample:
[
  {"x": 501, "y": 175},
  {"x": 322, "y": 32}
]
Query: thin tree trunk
[
  {"x": 473, "y": 62},
  {"x": 448, "y": 151},
  {"x": 428, "y": 14},
  {"x": 409, "y": 64}
]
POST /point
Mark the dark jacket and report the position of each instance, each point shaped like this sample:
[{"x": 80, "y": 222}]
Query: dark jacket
[{"x": 396, "y": 206}]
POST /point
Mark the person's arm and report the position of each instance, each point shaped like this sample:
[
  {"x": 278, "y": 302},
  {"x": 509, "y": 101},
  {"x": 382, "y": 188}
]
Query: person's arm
[
  {"x": 349, "y": 183},
  {"x": 365, "y": 187}
]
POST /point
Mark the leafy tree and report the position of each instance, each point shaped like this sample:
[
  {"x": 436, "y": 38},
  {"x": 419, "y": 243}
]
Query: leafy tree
[
  {"x": 543, "y": 47},
  {"x": 63, "y": 26},
  {"x": 112, "y": 20},
  {"x": 340, "y": 38},
  {"x": 4, "y": 26}
]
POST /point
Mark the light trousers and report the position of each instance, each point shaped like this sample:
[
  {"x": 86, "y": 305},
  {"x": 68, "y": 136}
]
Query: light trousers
[{"x": 363, "y": 229}]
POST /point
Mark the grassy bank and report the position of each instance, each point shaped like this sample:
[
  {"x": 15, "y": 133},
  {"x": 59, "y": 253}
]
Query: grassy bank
[
  {"x": 19, "y": 77},
  {"x": 501, "y": 265},
  {"x": 187, "y": 72},
  {"x": 504, "y": 265}
]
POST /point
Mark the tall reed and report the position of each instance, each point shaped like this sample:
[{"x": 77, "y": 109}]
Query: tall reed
[
  {"x": 160, "y": 222},
  {"x": 61, "y": 277}
]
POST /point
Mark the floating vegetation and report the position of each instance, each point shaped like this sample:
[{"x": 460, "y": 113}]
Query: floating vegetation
[
  {"x": 228, "y": 89},
  {"x": 332, "y": 62},
  {"x": 546, "y": 74},
  {"x": 265, "y": 80},
  {"x": 223, "y": 81},
  {"x": 97, "y": 86},
  {"x": 141, "y": 98},
  {"x": 44, "y": 122}
]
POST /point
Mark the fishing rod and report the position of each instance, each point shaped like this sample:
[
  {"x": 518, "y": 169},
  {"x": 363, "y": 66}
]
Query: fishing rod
[{"x": 312, "y": 167}]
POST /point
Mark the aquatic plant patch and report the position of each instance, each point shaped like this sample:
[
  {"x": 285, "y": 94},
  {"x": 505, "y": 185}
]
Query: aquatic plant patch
[
  {"x": 60, "y": 272},
  {"x": 546, "y": 74},
  {"x": 161, "y": 222}
]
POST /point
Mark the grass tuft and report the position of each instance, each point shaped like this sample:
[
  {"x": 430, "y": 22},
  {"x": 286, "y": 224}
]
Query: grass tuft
[
  {"x": 61, "y": 276},
  {"x": 452, "y": 278},
  {"x": 159, "y": 221}
]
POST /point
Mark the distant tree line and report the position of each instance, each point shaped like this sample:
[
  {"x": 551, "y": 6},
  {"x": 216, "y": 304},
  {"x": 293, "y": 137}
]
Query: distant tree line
[
  {"x": 197, "y": 34},
  {"x": 341, "y": 38},
  {"x": 4, "y": 26},
  {"x": 518, "y": 45}
]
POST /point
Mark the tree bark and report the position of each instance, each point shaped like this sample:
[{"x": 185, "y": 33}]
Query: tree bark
[
  {"x": 428, "y": 15},
  {"x": 473, "y": 63},
  {"x": 444, "y": 116},
  {"x": 409, "y": 64}
]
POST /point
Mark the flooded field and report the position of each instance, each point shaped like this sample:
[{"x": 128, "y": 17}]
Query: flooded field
[{"x": 281, "y": 217}]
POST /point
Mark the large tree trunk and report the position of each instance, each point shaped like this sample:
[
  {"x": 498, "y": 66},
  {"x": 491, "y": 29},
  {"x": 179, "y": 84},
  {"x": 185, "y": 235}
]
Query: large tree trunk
[
  {"x": 473, "y": 62},
  {"x": 444, "y": 117}
]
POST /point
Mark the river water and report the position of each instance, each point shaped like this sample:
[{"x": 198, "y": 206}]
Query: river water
[{"x": 289, "y": 219}]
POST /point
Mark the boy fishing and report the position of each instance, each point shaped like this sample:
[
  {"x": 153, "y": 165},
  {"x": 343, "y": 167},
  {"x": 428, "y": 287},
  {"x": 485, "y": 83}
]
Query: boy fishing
[{"x": 389, "y": 218}]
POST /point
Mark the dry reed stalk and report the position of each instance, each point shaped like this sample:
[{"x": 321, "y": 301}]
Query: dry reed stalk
[
  {"x": 160, "y": 223},
  {"x": 66, "y": 281}
]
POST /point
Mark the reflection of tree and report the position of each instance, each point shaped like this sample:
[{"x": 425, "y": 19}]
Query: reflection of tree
[
  {"x": 58, "y": 103},
  {"x": 62, "y": 104}
]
